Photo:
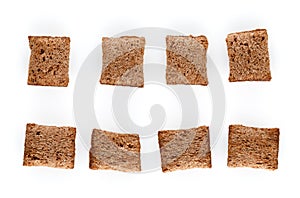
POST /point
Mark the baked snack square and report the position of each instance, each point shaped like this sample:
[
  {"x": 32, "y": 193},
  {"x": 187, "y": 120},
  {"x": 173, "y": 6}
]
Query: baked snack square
[
  {"x": 186, "y": 60},
  {"x": 122, "y": 61},
  {"x": 249, "y": 56},
  {"x": 49, "y": 146},
  {"x": 253, "y": 147},
  {"x": 115, "y": 151},
  {"x": 184, "y": 149},
  {"x": 49, "y": 61}
]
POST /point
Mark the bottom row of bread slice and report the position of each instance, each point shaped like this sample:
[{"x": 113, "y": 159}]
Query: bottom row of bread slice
[{"x": 179, "y": 149}]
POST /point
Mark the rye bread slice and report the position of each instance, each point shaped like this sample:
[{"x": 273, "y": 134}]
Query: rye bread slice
[
  {"x": 114, "y": 151},
  {"x": 184, "y": 149},
  {"x": 49, "y": 61},
  {"x": 49, "y": 146},
  {"x": 122, "y": 61},
  {"x": 248, "y": 56},
  {"x": 186, "y": 60},
  {"x": 253, "y": 147}
]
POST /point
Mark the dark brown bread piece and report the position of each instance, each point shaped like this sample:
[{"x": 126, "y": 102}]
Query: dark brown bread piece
[
  {"x": 186, "y": 60},
  {"x": 184, "y": 149},
  {"x": 49, "y": 146},
  {"x": 122, "y": 61},
  {"x": 253, "y": 147},
  {"x": 114, "y": 151},
  {"x": 248, "y": 56},
  {"x": 49, "y": 61}
]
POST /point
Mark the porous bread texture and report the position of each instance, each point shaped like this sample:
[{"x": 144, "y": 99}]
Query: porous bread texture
[
  {"x": 49, "y": 61},
  {"x": 115, "y": 151},
  {"x": 122, "y": 61},
  {"x": 184, "y": 149},
  {"x": 186, "y": 60},
  {"x": 49, "y": 146},
  {"x": 253, "y": 147},
  {"x": 249, "y": 56}
]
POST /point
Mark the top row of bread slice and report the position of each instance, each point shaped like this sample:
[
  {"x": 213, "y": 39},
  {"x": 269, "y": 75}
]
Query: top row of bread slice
[{"x": 122, "y": 59}]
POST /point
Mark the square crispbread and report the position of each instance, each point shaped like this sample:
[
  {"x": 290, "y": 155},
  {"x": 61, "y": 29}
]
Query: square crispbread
[
  {"x": 248, "y": 56},
  {"x": 186, "y": 60},
  {"x": 114, "y": 151},
  {"x": 184, "y": 149},
  {"x": 49, "y": 146},
  {"x": 253, "y": 147},
  {"x": 49, "y": 61},
  {"x": 122, "y": 61}
]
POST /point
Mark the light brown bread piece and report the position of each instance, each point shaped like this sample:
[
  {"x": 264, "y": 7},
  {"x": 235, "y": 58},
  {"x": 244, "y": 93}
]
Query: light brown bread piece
[
  {"x": 253, "y": 147},
  {"x": 114, "y": 151},
  {"x": 49, "y": 61},
  {"x": 248, "y": 56},
  {"x": 49, "y": 146},
  {"x": 122, "y": 61},
  {"x": 186, "y": 60},
  {"x": 184, "y": 149}
]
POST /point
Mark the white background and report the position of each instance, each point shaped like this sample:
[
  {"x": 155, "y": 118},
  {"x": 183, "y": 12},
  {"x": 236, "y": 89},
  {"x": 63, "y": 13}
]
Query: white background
[{"x": 273, "y": 104}]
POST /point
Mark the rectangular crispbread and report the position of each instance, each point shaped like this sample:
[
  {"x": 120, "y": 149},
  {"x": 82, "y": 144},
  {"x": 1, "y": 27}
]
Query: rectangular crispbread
[
  {"x": 115, "y": 151},
  {"x": 253, "y": 147},
  {"x": 49, "y": 146},
  {"x": 186, "y": 60},
  {"x": 49, "y": 61},
  {"x": 122, "y": 61},
  {"x": 249, "y": 56},
  {"x": 184, "y": 149}
]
